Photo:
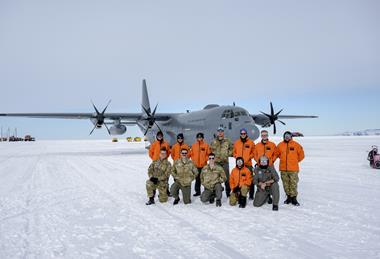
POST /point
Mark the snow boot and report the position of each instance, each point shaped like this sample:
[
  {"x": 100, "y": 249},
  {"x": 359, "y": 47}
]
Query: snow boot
[
  {"x": 218, "y": 203},
  {"x": 150, "y": 202},
  {"x": 212, "y": 200},
  {"x": 275, "y": 207},
  {"x": 176, "y": 201},
  {"x": 168, "y": 193},
  {"x": 243, "y": 201},
  {"x": 196, "y": 194},
  {"x": 288, "y": 200},
  {"x": 270, "y": 201},
  {"x": 294, "y": 201}
]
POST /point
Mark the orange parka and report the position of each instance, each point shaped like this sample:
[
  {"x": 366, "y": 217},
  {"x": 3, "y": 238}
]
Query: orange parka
[
  {"x": 268, "y": 149},
  {"x": 245, "y": 150},
  {"x": 199, "y": 153},
  {"x": 290, "y": 154},
  {"x": 155, "y": 148},
  {"x": 176, "y": 150},
  {"x": 240, "y": 177}
]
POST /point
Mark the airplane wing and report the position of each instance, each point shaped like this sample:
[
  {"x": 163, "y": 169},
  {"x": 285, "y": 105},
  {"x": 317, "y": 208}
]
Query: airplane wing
[{"x": 130, "y": 117}]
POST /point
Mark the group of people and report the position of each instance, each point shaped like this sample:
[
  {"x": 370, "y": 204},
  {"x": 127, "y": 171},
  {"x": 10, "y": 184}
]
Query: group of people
[{"x": 208, "y": 165}]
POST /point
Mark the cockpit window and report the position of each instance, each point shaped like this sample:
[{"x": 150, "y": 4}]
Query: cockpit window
[{"x": 227, "y": 114}]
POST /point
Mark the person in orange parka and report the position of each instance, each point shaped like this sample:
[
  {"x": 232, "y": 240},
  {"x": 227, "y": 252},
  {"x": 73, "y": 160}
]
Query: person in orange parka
[
  {"x": 240, "y": 181},
  {"x": 245, "y": 148},
  {"x": 199, "y": 155},
  {"x": 265, "y": 148},
  {"x": 156, "y": 146},
  {"x": 155, "y": 149},
  {"x": 290, "y": 154},
  {"x": 177, "y": 147}
]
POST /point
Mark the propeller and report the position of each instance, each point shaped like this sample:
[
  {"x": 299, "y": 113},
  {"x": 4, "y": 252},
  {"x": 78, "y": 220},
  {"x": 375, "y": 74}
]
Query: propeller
[
  {"x": 273, "y": 117},
  {"x": 99, "y": 118},
  {"x": 150, "y": 118}
]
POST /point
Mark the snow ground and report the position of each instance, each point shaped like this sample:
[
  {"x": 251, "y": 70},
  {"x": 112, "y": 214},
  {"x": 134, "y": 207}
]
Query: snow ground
[{"x": 86, "y": 199}]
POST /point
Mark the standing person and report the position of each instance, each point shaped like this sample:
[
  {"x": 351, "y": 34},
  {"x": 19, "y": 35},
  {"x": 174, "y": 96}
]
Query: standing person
[
  {"x": 184, "y": 172},
  {"x": 222, "y": 148},
  {"x": 199, "y": 154},
  {"x": 245, "y": 148},
  {"x": 290, "y": 154},
  {"x": 156, "y": 146},
  {"x": 266, "y": 179},
  {"x": 212, "y": 177},
  {"x": 240, "y": 181},
  {"x": 265, "y": 148},
  {"x": 154, "y": 151},
  {"x": 177, "y": 147},
  {"x": 158, "y": 172}
]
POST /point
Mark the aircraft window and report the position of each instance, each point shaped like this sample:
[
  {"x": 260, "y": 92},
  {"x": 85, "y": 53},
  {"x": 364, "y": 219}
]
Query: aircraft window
[
  {"x": 237, "y": 114},
  {"x": 243, "y": 113},
  {"x": 227, "y": 114}
]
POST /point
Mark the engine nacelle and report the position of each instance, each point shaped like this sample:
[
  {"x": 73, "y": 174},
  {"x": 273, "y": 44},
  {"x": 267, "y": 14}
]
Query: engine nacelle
[{"x": 118, "y": 129}]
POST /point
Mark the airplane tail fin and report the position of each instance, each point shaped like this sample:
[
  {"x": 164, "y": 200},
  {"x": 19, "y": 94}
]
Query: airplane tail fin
[{"x": 145, "y": 99}]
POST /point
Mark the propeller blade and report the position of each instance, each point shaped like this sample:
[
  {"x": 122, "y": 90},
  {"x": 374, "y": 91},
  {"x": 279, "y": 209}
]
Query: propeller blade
[
  {"x": 274, "y": 128},
  {"x": 109, "y": 133},
  {"x": 93, "y": 105},
  {"x": 283, "y": 123},
  {"x": 157, "y": 126},
  {"x": 146, "y": 111},
  {"x": 278, "y": 113},
  {"x": 271, "y": 109},
  {"x": 105, "y": 108},
  {"x": 265, "y": 114},
  {"x": 146, "y": 131},
  {"x": 154, "y": 111},
  {"x": 92, "y": 130}
]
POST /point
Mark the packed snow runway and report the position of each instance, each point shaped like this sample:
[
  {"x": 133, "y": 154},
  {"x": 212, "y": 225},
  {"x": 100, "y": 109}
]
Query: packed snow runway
[{"x": 86, "y": 199}]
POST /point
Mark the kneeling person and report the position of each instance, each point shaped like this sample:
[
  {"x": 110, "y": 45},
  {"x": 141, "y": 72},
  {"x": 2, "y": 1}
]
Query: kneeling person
[
  {"x": 266, "y": 179},
  {"x": 240, "y": 182},
  {"x": 183, "y": 172},
  {"x": 159, "y": 172},
  {"x": 212, "y": 177}
]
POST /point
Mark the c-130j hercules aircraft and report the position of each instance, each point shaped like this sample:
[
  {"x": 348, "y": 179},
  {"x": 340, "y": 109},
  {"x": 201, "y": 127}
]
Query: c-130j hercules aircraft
[{"x": 231, "y": 118}]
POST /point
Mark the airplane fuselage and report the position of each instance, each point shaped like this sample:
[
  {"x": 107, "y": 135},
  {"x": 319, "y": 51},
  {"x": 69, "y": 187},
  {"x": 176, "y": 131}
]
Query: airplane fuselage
[{"x": 231, "y": 118}]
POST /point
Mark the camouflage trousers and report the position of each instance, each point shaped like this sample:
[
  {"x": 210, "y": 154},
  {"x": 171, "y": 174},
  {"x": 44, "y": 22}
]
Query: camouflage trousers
[
  {"x": 208, "y": 194},
  {"x": 186, "y": 192},
  {"x": 234, "y": 197},
  {"x": 290, "y": 181},
  {"x": 226, "y": 168},
  {"x": 261, "y": 196},
  {"x": 162, "y": 188}
]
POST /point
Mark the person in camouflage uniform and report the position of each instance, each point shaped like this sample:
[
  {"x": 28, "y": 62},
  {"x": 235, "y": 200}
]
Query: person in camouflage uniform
[
  {"x": 183, "y": 172},
  {"x": 158, "y": 172},
  {"x": 212, "y": 177},
  {"x": 222, "y": 147},
  {"x": 266, "y": 179}
]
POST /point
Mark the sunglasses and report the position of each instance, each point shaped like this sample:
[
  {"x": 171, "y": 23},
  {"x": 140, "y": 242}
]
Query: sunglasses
[
  {"x": 243, "y": 133},
  {"x": 184, "y": 153},
  {"x": 211, "y": 158}
]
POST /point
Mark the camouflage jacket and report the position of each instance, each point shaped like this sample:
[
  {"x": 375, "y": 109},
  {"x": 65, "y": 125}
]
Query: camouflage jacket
[
  {"x": 222, "y": 149},
  {"x": 264, "y": 175},
  {"x": 210, "y": 177},
  {"x": 184, "y": 171},
  {"x": 160, "y": 169}
]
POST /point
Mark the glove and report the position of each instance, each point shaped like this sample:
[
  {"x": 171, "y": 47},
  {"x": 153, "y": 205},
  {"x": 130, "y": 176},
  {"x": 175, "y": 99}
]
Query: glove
[
  {"x": 236, "y": 190},
  {"x": 154, "y": 180}
]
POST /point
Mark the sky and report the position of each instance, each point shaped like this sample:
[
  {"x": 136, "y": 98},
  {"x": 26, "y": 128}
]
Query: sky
[{"x": 308, "y": 57}]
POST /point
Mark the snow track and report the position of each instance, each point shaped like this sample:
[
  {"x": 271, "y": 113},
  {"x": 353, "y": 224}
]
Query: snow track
[{"x": 86, "y": 199}]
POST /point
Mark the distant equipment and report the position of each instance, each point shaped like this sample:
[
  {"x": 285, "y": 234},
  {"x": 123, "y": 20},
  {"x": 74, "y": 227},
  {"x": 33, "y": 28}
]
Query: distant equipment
[
  {"x": 129, "y": 139},
  {"x": 137, "y": 139},
  {"x": 115, "y": 140},
  {"x": 29, "y": 138}
]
